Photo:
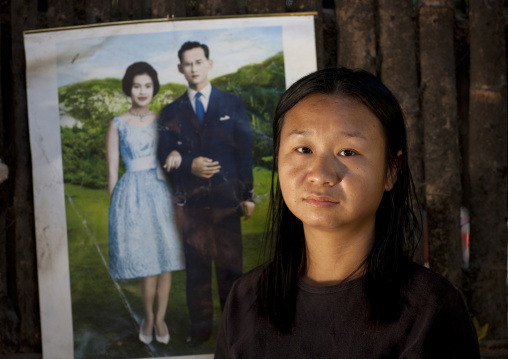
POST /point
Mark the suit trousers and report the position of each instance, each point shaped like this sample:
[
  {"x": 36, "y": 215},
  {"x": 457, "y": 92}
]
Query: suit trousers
[{"x": 210, "y": 235}]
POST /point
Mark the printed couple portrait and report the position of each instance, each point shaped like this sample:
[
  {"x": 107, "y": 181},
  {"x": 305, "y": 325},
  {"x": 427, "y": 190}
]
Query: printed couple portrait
[{"x": 203, "y": 141}]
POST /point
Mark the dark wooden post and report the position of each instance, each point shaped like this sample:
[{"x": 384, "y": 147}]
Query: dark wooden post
[
  {"x": 439, "y": 113},
  {"x": 266, "y": 6},
  {"x": 165, "y": 8},
  {"x": 217, "y": 7},
  {"x": 488, "y": 165},
  {"x": 397, "y": 39},
  {"x": 23, "y": 17},
  {"x": 357, "y": 34},
  {"x": 60, "y": 13},
  {"x": 9, "y": 329},
  {"x": 130, "y": 9},
  {"x": 98, "y": 11}
]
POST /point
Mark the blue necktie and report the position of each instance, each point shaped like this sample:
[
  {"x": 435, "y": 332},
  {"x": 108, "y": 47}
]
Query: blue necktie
[{"x": 200, "y": 110}]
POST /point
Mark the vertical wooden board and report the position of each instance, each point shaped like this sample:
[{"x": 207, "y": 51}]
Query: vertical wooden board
[
  {"x": 165, "y": 8},
  {"x": 98, "y": 11},
  {"x": 79, "y": 12},
  {"x": 139, "y": 11},
  {"x": 441, "y": 151},
  {"x": 357, "y": 34},
  {"x": 397, "y": 49},
  {"x": 487, "y": 165},
  {"x": 217, "y": 7},
  {"x": 23, "y": 17},
  {"x": 329, "y": 38},
  {"x": 3, "y": 195},
  {"x": 8, "y": 317},
  {"x": 266, "y": 6},
  {"x": 60, "y": 13},
  {"x": 125, "y": 10}
]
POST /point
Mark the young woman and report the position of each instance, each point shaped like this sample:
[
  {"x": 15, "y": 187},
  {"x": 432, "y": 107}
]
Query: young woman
[
  {"x": 343, "y": 226},
  {"x": 143, "y": 239}
]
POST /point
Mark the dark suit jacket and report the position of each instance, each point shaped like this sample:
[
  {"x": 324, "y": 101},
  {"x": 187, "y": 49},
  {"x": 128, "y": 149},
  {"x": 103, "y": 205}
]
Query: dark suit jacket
[{"x": 224, "y": 136}]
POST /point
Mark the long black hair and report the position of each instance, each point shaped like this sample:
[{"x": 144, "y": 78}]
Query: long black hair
[{"x": 397, "y": 228}]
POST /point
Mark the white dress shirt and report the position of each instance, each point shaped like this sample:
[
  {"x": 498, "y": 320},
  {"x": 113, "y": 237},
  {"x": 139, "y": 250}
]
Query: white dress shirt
[{"x": 205, "y": 96}]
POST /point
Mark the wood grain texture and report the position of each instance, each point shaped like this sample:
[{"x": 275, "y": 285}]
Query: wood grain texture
[
  {"x": 168, "y": 8},
  {"x": 442, "y": 159},
  {"x": 398, "y": 71},
  {"x": 488, "y": 168},
  {"x": 23, "y": 17},
  {"x": 217, "y": 7},
  {"x": 357, "y": 34},
  {"x": 98, "y": 11},
  {"x": 60, "y": 13},
  {"x": 266, "y": 6}
]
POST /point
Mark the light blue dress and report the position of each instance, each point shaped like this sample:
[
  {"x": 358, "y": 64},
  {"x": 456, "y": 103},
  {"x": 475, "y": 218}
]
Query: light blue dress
[{"x": 143, "y": 237}]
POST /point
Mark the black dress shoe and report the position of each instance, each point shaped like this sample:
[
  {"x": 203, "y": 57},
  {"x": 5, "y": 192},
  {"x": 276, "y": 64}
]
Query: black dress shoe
[{"x": 193, "y": 341}]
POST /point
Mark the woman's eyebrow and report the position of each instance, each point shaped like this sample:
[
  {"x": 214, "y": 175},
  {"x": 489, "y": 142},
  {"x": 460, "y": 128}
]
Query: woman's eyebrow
[
  {"x": 356, "y": 134},
  {"x": 299, "y": 132},
  {"x": 348, "y": 134}
]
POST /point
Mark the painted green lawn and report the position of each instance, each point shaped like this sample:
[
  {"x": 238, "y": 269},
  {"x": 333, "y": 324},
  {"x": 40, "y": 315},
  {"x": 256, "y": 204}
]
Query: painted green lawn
[{"x": 106, "y": 313}]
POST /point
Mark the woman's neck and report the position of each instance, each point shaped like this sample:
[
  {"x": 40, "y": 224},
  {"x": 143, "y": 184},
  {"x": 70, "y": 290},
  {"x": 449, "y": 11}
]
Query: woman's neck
[
  {"x": 139, "y": 109},
  {"x": 336, "y": 256}
]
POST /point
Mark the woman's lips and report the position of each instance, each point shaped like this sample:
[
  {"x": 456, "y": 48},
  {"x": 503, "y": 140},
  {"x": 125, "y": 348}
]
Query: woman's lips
[{"x": 321, "y": 201}]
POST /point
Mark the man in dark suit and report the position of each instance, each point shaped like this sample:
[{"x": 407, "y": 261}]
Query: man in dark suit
[{"x": 205, "y": 143}]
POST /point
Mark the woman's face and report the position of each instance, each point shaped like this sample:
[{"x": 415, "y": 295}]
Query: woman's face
[
  {"x": 142, "y": 90},
  {"x": 332, "y": 164}
]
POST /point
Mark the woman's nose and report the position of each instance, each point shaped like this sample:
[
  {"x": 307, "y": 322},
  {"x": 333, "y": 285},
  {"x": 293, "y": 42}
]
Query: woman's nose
[{"x": 324, "y": 170}]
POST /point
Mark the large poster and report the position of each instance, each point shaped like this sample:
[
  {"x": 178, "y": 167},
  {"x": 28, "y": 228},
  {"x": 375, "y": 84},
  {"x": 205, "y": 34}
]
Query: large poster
[{"x": 132, "y": 170}]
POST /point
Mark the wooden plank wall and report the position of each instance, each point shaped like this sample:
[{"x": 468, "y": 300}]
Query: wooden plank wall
[{"x": 457, "y": 127}]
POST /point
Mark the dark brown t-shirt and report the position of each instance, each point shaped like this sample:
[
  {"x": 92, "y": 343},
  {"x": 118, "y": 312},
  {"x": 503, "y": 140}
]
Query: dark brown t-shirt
[{"x": 332, "y": 322}]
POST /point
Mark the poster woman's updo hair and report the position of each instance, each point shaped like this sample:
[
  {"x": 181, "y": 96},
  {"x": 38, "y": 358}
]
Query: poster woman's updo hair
[{"x": 139, "y": 68}]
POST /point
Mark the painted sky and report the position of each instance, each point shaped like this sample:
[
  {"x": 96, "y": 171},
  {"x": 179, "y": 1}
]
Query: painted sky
[{"x": 102, "y": 57}]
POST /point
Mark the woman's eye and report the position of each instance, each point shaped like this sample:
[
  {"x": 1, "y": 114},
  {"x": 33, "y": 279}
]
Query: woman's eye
[
  {"x": 304, "y": 150},
  {"x": 347, "y": 153}
]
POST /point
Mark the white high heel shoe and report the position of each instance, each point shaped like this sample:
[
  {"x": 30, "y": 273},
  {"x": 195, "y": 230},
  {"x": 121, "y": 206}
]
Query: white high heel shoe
[
  {"x": 144, "y": 338},
  {"x": 164, "y": 339}
]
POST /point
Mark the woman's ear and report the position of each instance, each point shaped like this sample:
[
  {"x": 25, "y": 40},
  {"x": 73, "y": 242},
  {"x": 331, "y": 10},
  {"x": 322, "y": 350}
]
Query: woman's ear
[{"x": 393, "y": 169}]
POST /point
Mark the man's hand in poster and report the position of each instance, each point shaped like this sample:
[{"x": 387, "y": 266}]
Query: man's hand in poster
[
  {"x": 247, "y": 209},
  {"x": 204, "y": 167}
]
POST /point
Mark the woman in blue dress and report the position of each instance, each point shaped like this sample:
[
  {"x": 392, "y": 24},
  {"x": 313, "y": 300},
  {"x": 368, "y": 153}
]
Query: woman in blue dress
[{"x": 143, "y": 239}]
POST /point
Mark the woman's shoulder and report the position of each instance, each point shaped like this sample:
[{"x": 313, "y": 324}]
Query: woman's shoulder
[
  {"x": 117, "y": 119},
  {"x": 248, "y": 282},
  {"x": 426, "y": 287},
  {"x": 245, "y": 289}
]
